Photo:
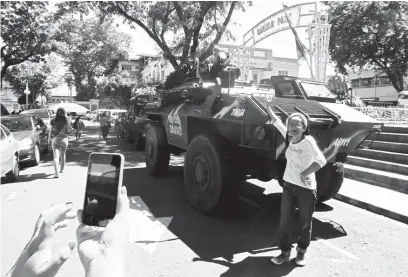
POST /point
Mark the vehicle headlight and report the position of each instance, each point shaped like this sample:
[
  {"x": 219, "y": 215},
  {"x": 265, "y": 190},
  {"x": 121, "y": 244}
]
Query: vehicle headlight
[{"x": 26, "y": 143}]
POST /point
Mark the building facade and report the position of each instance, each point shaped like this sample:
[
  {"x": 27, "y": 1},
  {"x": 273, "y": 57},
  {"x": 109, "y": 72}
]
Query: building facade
[
  {"x": 262, "y": 65},
  {"x": 370, "y": 85}
]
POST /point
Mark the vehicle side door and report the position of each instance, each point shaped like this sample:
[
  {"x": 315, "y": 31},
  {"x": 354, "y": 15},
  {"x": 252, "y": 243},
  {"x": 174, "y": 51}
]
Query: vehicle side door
[
  {"x": 5, "y": 152},
  {"x": 41, "y": 132}
]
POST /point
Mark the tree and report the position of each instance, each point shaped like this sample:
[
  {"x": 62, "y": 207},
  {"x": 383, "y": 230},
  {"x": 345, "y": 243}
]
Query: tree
[
  {"x": 118, "y": 84},
  {"x": 90, "y": 49},
  {"x": 180, "y": 28},
  {"x": 40, "y": 77},
  {"x": 24, "y": 31},
  {"x": 370, "y": 34}
]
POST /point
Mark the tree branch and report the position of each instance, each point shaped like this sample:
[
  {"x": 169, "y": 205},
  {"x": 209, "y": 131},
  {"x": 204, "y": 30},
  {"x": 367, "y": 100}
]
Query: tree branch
[
  {"x": 197, "y": 29},
  {"x": 161, "y": 44},
  {"x": 208, "y": 51}
]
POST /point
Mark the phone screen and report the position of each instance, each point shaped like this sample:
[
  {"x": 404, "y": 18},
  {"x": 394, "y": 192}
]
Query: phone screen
[{"x": 101, "y": 189}]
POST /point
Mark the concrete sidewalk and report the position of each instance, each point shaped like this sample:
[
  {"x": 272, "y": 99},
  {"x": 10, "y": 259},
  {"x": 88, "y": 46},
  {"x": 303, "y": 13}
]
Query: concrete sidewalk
[{"x": 382, "y": 201}]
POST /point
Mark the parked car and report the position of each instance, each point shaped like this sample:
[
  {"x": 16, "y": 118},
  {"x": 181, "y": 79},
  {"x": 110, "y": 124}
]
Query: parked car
[
  {"x": 32, "y": 134},
  {"x": 9, "y": 155},
  {"x": 45, "y": 114}
]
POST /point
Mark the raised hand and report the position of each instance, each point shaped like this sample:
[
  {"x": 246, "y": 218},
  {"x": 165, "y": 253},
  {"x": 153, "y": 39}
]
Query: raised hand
[{"x": 37, "y": 258}]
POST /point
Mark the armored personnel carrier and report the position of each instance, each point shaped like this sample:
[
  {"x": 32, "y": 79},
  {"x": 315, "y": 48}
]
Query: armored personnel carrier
[{"x": 226, "y": 135}]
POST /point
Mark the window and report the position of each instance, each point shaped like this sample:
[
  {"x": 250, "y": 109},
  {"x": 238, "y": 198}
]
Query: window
[
  {"x": 7, "y": 132},
  {"x": 385, "y": 80},
  {"x": 127, "y": 67},
  {"x": 283, "y": 73},
  {"x": 38, "y": 121},
  {"x": 355, "y": 83},
  {"x": 366, "y": 82},
  {"x": 255, "y": 78},
  {"x": 3, "y": 136}
]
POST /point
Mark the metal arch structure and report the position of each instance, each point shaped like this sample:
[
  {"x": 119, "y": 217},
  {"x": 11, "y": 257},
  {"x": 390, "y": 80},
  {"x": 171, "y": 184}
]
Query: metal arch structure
[{"x": 301, "y": 15}]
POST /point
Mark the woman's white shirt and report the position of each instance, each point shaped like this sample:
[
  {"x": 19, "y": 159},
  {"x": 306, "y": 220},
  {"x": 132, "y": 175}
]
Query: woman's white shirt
[{"x": 299, "y": 157}]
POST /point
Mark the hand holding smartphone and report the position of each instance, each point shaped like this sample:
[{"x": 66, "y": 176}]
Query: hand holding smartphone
[{"x": 105, "y": 175}]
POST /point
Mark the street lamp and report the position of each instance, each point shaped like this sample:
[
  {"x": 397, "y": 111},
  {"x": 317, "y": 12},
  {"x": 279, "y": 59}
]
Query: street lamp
[{"x": 27, "y": 92}]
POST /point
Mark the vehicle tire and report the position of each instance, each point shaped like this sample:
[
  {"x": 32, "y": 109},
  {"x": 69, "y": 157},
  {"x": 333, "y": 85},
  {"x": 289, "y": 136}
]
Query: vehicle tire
[
  {"x": 12, "y": 176},
  {"x": 329, "y": 180},
  {"x": 138, "y": 140},
  {"x": 157, "y": 152},
  {"x": 207, "y": 173},
  {"x": 37, "y": 156}
]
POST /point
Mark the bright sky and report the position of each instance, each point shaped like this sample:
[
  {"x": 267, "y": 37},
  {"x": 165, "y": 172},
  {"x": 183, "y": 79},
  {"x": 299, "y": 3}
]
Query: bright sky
[{"x": 282, "y": 44}]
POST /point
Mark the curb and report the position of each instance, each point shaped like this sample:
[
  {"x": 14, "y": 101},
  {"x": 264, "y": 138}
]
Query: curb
[{"x": 372, "y": 208}]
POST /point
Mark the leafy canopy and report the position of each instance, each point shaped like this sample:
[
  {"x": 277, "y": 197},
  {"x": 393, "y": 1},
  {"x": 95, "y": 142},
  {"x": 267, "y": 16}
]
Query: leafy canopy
[
  {"x": 90, "y": 49},
  {"x": 25, "y": 30},
  {"x": 370, "y": 34},
  {"x": 179, "y": 28}
]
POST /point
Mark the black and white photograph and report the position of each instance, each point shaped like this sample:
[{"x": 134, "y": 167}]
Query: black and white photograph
[{"x": 204, "y": 138}]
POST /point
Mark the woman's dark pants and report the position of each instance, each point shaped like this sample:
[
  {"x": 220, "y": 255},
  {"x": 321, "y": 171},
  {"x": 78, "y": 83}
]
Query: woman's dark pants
[{"x": 305, "y": 200}]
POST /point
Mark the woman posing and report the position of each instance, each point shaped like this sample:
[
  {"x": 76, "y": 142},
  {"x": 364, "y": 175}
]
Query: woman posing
[
  {"x": 60, "y": 128},
  {"x": 304, "y": 158}
]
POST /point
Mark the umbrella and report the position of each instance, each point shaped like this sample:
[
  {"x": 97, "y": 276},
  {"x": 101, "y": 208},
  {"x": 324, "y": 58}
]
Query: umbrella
[{"x": 69, "y": 108}]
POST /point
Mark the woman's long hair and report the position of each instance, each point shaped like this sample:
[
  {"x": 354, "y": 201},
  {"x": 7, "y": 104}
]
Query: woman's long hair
[{"x": 61, "y": 116}]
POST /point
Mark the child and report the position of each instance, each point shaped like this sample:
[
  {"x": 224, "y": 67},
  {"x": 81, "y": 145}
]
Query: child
[
  {"x": 304, "y": 158},
  {"x": 79, "y": 125}
]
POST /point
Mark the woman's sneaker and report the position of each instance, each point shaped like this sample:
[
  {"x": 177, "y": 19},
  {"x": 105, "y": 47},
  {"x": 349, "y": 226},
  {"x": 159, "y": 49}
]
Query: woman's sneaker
[
  {"x": 282, "y": 258},
  {"x": 300, "y": 259}
]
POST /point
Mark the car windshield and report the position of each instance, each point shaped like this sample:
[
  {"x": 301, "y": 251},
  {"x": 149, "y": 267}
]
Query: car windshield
[
  {"x": 317, "y": 90},
  {"x": 17, "y": 124},
  {"x": 41, "y": 114}
]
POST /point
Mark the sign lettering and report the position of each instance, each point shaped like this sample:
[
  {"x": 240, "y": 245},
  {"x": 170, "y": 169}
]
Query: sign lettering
[
  {"x": 342, "y": 141},
  {"x": 238, "y": 112},
  {"x": 174, "y": 125}
]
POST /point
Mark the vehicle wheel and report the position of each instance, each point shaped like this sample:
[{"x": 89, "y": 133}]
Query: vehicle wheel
[
  {"x": 157, "y": 152},
  {"x": 138, "y": 140},
  {"x": 12, "y": 176},
  {"x": 206, "y": 173},
  {"x": 329, "y": 180},
  {"x": 37, "y": 156}
]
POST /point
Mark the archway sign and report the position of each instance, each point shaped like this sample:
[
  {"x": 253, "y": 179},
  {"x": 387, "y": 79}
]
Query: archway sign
[{"x": 300, "y": 15}]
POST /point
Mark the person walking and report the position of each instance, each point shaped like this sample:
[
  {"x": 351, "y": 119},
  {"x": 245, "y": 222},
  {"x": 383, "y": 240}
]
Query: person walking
[
  {"x": 304, "y": 158},
  {"x": 104, "y": 123},
  {"x": 60, "y": 128},
  {"x": 79, "y": 125}
]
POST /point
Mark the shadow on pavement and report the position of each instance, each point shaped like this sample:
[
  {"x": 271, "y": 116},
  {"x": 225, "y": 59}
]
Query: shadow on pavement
[
  {"x": 78, "y": 151},
  {"x": 32, "y": 177},
  {"x": 240, "y": 228}
]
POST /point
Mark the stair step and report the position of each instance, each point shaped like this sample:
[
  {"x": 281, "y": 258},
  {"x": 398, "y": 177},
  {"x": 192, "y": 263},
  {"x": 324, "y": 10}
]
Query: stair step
[
  {"x": 395, "y": 129},
  {"x": 398, "y": 147},
  {"x": 394, "y": 181},
  {"x": 392, "y": 137},
  {"x": 382, "y": 155},
  {"x": 379, "y": 165}
]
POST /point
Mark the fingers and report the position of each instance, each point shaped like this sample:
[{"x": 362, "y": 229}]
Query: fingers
[
  {"x": 58, "y": 259},
  {"x": 123, "y": 201},
  {"x": 85, "y": 232}
]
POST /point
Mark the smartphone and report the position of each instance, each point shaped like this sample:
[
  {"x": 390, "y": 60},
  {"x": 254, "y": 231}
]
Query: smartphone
[{"x": 105, "y": 174}]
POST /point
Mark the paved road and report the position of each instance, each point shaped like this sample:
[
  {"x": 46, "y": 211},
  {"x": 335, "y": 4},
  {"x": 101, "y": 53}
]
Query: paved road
[{"x": 169, "y": 238}]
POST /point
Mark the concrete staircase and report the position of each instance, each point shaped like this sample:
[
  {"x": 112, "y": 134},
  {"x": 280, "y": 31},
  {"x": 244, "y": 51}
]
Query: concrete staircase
[{"x": 385, "y": 163}]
